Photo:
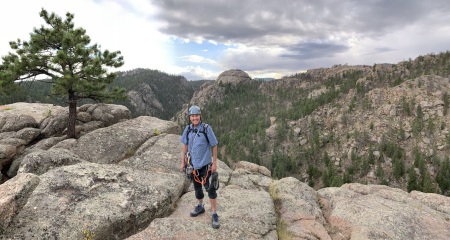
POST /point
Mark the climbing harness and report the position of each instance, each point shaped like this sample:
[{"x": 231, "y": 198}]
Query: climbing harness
[
  {"x": 213, "y": 178},
  {"x": 190, "y": 129},
  {"x": 201, "y": 179}
]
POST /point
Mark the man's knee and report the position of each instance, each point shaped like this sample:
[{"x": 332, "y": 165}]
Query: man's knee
[
  {"x": 199, "y": 194},
  {"x": 212, "y": 194}
]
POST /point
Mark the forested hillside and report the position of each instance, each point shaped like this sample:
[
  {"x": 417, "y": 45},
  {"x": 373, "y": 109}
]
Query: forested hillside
[
  {"x": 153, "y": 93},
  {"x": 35, "y": 91},
  {"x": 382, "y": 124},
  {"x": 150, "y": 92}
]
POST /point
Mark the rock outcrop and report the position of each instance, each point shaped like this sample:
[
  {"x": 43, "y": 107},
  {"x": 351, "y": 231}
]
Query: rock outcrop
[
  {"x": 154, "y": 93},
  {"x": 122, "y": 182},
  {"x": 145, "y": 100},
  {"x": 233, "y": 76},
  {"x": 359, "y": 211},
  {"x": 24, "y": 123},
  {"x": 214, "y": 91}
]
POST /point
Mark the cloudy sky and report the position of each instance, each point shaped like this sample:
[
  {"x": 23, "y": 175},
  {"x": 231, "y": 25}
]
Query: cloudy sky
[{"x": 199, "y": 39}]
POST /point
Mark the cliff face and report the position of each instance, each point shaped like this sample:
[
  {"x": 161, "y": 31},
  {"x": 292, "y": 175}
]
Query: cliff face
[
  {"x": 122, "y": 181},
  {"x": 213, "y": 91},
  {"x": 154, "y": 93}
]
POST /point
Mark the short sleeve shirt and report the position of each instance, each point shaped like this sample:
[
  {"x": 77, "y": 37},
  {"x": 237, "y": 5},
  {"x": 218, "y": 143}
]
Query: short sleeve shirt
[{"x": 198, "y": 146}]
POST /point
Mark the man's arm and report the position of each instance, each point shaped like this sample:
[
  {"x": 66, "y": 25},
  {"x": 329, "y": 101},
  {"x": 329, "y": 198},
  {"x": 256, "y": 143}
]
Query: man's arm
[
  {"x": 183, "y": 156},
  {"x": 214, "y": 159}
]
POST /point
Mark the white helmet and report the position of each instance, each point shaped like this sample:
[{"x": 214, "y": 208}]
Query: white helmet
[{"x": 194, "y": 109}]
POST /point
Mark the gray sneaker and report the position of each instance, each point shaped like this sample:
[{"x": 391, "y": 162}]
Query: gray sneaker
[
  {"x": 199, "y": 209},
  {"x": 215, "y": 221}
]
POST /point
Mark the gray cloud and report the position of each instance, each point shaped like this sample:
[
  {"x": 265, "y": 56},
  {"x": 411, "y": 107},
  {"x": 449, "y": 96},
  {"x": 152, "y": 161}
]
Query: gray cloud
[
  {"x": 308, "y": 33},
  {"x": 314, "y": 50},
  {"x": 244, "y": 21}
]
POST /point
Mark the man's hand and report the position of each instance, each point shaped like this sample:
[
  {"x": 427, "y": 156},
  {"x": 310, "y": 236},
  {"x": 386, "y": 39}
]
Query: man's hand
[
  {"x": 183, "y": 165},
  {"x": 214, "y": 166}
]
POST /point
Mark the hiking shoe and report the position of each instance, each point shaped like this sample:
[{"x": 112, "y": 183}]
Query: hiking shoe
[
  {"x": 215, "y": 221},
  {"x": 199, "y": 209}
]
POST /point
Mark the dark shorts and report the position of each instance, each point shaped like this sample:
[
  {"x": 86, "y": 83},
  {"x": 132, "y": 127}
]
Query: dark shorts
[{"x": 203, "y": 175}]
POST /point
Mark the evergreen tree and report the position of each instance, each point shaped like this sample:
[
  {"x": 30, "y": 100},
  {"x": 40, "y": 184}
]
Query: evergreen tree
[
  {"x": 443, "y": 176},
  {"x": 329, "y": 174},
  {"x": 365, "y": 167},
  {"x": 412, "y": 179},
  {"x": 446, "y": 100},
  {"x": 398, "y": 167},
  {"x": 61, "y": 52},
  {"x": 427, "y": 184},
  {"x": 381, "y": 174},
  {"x": 337, "y": 181},
  {"x": 417, "y": 124}
]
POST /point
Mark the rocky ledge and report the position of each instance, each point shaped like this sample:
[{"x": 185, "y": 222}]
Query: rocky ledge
[{"x": 122, "y": 181}]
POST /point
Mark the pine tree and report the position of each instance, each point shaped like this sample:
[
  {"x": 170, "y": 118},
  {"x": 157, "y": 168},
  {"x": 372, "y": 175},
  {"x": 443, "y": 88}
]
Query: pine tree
[
  {"x": 417, "y": 124},
  {"x": 427, "y": 185},
  {"x": 398, "y": 166},
  {"x": 443, "y": 176},
  {"x": 412, "y": 179},
  {"x": 61, "y": 52}
]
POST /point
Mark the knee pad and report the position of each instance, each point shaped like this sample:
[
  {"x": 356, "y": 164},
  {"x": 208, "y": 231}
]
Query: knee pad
[
  {"x": 199, "y": 194},
  {"x": 212, "y": 194}
]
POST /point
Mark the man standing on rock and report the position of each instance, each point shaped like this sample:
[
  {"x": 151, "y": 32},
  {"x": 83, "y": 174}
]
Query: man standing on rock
[{"x": 199, "y": 152}]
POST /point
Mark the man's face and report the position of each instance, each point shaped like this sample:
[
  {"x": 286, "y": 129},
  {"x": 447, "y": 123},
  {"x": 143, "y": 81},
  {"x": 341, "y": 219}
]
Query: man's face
[{"x": 195, "y": 119}]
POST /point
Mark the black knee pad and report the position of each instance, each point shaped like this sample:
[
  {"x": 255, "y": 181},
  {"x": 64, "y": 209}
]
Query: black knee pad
[
  {"x": 199, "y": 194},
  {"x": 212, "y": 194}
]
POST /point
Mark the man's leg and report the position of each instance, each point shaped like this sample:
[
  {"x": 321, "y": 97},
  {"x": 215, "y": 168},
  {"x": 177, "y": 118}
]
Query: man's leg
[
  {"x": 213, "y": 203},
  {"x": 212, "y": 194},
  {"x": 199, "y": 209}
]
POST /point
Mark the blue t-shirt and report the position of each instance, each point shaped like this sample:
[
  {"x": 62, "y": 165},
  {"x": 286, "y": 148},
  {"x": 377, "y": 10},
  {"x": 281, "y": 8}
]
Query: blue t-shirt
[{"x": 198, "y": 146}]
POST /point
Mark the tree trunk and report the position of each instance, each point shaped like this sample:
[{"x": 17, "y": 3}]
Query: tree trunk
[{"x": 72, "y": 115}]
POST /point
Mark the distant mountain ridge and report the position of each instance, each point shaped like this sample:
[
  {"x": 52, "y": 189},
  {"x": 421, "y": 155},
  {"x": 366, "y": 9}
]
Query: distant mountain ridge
[
  {"x": 150, "y": 92},
  {"x": 154, "y": 93}
]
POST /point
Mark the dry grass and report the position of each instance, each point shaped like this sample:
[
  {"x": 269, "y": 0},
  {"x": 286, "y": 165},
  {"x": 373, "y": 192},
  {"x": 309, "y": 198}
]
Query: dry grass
[
  {"x": 6, "y": 108},
  {"x": 282, "y": 231}
]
